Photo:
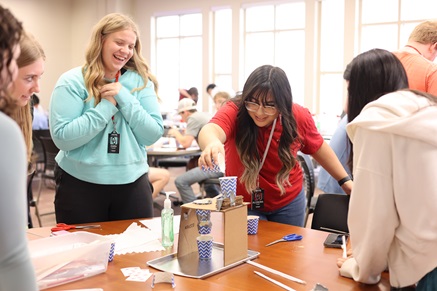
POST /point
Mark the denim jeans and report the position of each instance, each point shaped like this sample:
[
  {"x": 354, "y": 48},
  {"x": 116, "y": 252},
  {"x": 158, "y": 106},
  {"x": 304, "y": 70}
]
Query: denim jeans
[
  {"x": 293, "y": 213},
  {"x": 428, "y": 282},
  {"x": 183, "y": 183}
]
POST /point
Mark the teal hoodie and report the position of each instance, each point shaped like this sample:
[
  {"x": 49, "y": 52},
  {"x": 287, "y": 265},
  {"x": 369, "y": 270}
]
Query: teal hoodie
[{"x": 80, "y": 129}]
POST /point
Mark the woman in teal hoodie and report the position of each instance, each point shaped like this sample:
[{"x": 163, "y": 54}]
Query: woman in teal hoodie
[{"x": 102, "y": 117}]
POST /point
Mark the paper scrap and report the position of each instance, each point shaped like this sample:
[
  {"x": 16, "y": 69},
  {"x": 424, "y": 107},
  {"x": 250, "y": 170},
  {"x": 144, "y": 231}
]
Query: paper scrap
[
  {"x": 136, "y": 239},
  {"x": 140, "y": 275},
  {"x": 129, "y": 270}
]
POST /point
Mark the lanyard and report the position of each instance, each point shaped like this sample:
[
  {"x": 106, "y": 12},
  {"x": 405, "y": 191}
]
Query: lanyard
[
  {"x": 113, "y": 121},
  {"x": 266, "y": 151},
  {"x": 410, "y": 46}
]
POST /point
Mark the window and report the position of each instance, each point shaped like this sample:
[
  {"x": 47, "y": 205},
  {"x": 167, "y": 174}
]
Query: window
[
  {"x": 178, "y": 56},
  {"x": 331, "y": 87},
  {"x": 388, "y": 24},
  {"x": 222, "y": 66},
  {"x": 312, "y": 41},
  {"x": 278, "y": 40}
]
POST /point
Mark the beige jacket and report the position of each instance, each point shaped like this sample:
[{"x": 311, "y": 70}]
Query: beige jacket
[{"x": 393, "y": 206}]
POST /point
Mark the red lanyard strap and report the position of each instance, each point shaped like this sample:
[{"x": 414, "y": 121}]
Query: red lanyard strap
[{"x": 266, "y": 150}]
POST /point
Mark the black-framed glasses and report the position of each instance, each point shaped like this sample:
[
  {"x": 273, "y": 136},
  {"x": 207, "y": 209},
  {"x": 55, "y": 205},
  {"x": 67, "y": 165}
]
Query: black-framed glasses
[{"x": 254, "y": 107}]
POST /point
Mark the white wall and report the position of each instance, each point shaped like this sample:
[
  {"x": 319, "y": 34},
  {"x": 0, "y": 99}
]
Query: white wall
[
  {"x": 49, "y": 21},
  {"x": 63, "y": 27}
]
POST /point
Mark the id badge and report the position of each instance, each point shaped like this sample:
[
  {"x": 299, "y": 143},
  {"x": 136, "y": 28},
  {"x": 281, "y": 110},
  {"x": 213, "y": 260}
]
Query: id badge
[
  {"x": 258, "y": 198},
  {"x": 113, "y": 143}
]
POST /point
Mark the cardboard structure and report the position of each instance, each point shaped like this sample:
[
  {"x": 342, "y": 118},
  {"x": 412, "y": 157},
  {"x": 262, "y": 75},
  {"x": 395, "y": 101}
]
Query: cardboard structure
[{"x": 234, "y": 223}]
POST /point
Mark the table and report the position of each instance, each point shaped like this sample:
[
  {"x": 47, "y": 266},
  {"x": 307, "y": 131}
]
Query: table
[
  {"x": 306, "y": 259},
  {"x": 154, "y": 154}
]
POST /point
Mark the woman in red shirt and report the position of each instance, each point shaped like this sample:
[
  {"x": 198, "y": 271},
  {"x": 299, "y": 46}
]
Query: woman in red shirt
[{"x": 261, "y": 131}]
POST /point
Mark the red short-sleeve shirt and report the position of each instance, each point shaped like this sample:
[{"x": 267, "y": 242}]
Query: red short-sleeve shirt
[{"x": 310, "y": 141}]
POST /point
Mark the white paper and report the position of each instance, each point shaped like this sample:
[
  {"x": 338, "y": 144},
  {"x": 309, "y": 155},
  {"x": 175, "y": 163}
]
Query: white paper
[{"x": 136, "y": 239}]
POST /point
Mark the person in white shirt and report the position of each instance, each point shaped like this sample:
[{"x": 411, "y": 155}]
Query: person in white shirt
[{"x": 394, "y": 199}]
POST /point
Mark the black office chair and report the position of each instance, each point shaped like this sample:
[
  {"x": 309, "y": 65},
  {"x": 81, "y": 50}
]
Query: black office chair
[
  {"x": 30, "y": 201},
  {"x": 308, "y": 181},
  {"x": 330, "y": 213},
  {"x": 172, "y": 162},
  {"x": 38, "y": 151},
  {"x": 50, "y": 151},
  {"x": 208, "y": 187}
]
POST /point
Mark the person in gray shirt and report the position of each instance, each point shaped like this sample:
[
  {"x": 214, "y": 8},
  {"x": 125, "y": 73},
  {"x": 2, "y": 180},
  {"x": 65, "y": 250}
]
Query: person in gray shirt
[{"x": 195, "y": 121}]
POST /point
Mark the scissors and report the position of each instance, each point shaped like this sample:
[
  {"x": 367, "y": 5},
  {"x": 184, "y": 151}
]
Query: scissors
[
  {"x": 289, "y": 237},
  {"x": 63, "y": 226}
]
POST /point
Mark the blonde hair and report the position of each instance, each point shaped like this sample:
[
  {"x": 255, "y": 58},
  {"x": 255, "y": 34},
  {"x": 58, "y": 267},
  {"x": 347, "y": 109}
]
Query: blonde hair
[
  {"x": 93, "y": 69},
  {"x": 221, "y": 94},
  {"x": 23, "y": 116},
  {"x": 31, "y": 51},
  {"x": 425, "y": 32}
]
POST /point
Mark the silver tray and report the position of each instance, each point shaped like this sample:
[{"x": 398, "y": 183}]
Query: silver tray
[{"x": 191, "y": 266}]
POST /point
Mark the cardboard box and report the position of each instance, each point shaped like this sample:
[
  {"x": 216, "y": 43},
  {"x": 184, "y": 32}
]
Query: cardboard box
[
  {"x": 70, "y": 257},
  {"x": 234, "y": 223}
]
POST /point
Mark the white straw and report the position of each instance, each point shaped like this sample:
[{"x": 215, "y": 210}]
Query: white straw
[
  {"x": 333, "y": 230},
  {"x": 274, "y": 281},
  {"x": 343, "y": 246},
  {"x": 277, "y": 272}
]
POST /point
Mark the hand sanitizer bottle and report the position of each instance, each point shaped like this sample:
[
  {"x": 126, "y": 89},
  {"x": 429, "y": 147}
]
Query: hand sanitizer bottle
[{"x": 167, "y": 223}]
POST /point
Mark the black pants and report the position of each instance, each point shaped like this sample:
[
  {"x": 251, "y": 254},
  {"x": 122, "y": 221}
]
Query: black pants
[
  {"x": 409, "y": 288},
  {"x": 77, "y": 201}
]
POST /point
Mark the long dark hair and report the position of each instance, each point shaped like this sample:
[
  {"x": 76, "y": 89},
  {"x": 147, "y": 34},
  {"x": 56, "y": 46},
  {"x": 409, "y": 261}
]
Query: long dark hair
[
  {"x": 374, "y": 73},
  {"x": 262, "y": 82},
  {"x": 10, "y": 34}
]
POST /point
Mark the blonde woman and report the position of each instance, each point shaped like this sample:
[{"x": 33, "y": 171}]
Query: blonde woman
[
  {"x": 102, "y": 117},
  {"x": 220, "y": 98},
  {"x": 30, "y": 69}
]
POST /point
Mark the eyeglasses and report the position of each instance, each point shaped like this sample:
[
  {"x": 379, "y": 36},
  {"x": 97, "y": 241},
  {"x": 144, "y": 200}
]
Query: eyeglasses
[{"x": 254, "y": 107}]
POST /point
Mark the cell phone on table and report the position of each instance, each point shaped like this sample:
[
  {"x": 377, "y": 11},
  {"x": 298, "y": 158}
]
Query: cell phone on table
[{"x": 334, "y": 240}]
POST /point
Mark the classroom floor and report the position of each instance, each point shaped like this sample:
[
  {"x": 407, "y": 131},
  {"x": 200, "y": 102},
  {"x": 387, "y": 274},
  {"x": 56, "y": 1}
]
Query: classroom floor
[{"x": 48, "y": 193}]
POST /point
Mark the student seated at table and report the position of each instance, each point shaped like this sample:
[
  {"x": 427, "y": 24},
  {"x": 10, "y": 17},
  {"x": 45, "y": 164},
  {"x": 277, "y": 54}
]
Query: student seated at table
[
  {"x": 220, "y": 98},
  {"x": 195, "y": 121},
  {"x": 210, "y": 88},
  {"x": 191, "y": 93},
  {"x": 394, "y": 199},
  {"x": 159, "y": 178}
]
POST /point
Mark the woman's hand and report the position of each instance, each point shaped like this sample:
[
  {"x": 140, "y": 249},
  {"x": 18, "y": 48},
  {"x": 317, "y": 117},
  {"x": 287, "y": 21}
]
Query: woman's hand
[
  {"x": 210, "y": 154},
  {"x": 341, "y": 260},
  {"x": 109, "y": 91},
  {"x": 173, "y": 132}
]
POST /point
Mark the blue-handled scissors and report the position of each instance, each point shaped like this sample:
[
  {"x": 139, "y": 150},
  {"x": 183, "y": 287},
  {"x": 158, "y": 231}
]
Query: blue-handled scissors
[{"x": 289, "y": 237}]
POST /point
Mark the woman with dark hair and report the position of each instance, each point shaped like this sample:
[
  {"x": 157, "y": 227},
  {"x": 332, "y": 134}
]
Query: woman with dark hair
[
  {"x": 261, "y": 130},
  {"x": 373, "y": 74},
  {"x": 394, "y": 200},
  {"x": 16, "y": 270}
]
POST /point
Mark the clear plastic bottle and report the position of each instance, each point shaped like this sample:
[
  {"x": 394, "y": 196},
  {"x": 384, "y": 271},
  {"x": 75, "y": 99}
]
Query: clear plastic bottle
[{"x": 167, "y": 214}]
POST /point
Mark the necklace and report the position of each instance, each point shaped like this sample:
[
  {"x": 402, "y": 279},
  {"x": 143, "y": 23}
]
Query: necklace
[{"x": 410, "y": 46}]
